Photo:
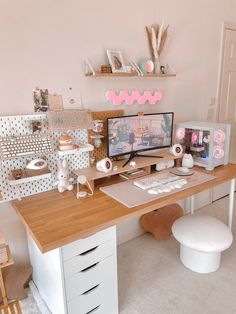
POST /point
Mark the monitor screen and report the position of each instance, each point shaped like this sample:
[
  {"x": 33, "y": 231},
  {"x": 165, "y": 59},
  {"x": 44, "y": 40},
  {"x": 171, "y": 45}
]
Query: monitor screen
[{"x": 133, "y": 134}]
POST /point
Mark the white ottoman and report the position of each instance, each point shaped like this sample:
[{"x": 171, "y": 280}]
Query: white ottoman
[{"x": 202, "y": 239}]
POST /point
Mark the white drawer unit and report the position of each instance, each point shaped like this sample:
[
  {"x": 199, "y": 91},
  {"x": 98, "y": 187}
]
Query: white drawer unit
[
  {"x": 83, "y": 245},
  {"x": 100, "y": 295},
  {"x": 89, "y": 257},
  {"x": 85, "y": 276}
]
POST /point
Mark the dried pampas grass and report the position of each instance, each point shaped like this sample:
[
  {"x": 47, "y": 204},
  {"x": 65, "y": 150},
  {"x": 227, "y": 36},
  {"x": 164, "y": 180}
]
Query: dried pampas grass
[{"x": 157, "y": 36}]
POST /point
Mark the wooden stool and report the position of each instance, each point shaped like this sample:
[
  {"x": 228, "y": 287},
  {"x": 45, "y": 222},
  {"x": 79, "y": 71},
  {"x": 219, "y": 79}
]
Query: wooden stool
[
  {"x": 7, "y": 307},
  {"x": 160, "y": 221}
]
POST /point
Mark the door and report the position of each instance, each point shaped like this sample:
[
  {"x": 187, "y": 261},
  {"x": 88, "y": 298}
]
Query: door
[{"x": 227, "y": 98}]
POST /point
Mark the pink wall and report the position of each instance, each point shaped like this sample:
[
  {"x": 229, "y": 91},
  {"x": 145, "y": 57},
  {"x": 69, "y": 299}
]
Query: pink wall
[{"x": 44, "y": 43}]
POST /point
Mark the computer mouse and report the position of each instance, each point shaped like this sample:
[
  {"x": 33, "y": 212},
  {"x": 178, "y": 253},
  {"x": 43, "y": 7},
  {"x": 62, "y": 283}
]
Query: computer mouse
[
  {"x": 152, "y": 191},
  {"x": 167, "y": 189},
  {"x": 183, "y": 182},
  {"x": 178, "y": 186}
]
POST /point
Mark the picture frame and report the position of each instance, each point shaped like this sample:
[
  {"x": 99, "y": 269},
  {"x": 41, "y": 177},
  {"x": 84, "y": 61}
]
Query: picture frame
[
  {"x": 116, "y": 61},
  {"x": 40, "y": 97}
]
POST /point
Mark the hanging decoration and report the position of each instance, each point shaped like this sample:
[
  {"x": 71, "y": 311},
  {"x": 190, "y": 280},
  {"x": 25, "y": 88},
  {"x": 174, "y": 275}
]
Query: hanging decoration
[{"x": 135, "y": 96}]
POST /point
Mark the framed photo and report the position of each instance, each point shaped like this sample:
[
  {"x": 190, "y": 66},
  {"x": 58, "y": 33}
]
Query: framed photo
[
  {"x": 116, "y": 61},
  {"x": 40, "y": 100}
]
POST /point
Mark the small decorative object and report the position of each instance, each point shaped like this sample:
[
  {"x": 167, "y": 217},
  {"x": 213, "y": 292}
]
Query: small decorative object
[
  {"x": 17, "y": 174},
  {"x": 142, "y": 65},
  {"x": 133, "y": 164},
  {"x": 36, "y": 126},
  {"x": 97, "y": 128},
  {"x": 133, "y": 97},
  {"x": 106, "y": 68},
  {"x": 88, "y": 67},
  {"x": 63, "y": 181},
  {"x": 65, "y": 142},
  {"x": 157, "y": 36},
  {"x": 116, "y": 61},
  {"x": 55, "y": 102},
  {"x": 40, "y": 100},
  {"x": 104, "y": 165},
  {"x": 92, "y": 160},
  {"x": 136, "y": 68},
  {"x": 36, "y": 167},
  {"x": 128, "y": 68},
  {"x": 149, "y": 66},
  {"x": 162, "y": 68},
  {"x": 187, "y": 161},
  {"x": 83, "y": 181}
]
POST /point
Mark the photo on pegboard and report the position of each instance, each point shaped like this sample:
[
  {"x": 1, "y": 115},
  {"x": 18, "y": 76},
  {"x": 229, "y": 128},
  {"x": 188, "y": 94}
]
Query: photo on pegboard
[{"x": 40, "y": 97}]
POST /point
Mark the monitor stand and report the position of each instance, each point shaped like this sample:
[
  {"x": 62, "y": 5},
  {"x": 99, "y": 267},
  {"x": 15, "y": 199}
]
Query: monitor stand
[{"x": 132, "y": 155}]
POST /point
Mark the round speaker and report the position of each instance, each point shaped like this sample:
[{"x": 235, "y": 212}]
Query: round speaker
[
  {"x": 176, "y": 150},
  {"x": 104, "y": 165}
]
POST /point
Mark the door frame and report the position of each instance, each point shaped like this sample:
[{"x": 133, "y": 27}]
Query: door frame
[{"x": 225, "y": 26}]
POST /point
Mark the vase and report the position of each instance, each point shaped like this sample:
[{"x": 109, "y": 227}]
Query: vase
[{"x": 157, "y": 66}]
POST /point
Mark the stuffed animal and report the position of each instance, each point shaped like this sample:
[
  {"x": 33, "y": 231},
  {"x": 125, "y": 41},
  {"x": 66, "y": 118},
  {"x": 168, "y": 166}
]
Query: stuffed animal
[{"x": 63, "y": 181}]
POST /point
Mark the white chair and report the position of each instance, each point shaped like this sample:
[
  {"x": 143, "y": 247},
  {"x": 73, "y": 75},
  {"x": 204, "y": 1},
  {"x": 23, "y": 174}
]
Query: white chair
[{"x": 202, "y": 239}]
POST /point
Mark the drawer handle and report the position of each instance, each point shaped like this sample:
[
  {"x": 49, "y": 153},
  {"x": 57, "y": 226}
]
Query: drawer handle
[
  {"x": 89, "y": 251},
  {"x": 88, "y": 268},
  {"x": 93, "y": 310},
  {"x": 90, "y": 290}
]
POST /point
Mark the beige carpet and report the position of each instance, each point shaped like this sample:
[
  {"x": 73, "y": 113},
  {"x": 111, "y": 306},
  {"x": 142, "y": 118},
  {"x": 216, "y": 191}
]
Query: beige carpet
[{"x": 153, "y": 281}]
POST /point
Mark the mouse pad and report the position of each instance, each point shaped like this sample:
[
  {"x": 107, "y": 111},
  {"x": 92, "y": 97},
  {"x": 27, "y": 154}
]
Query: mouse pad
[{"x": 130, "y": 195}]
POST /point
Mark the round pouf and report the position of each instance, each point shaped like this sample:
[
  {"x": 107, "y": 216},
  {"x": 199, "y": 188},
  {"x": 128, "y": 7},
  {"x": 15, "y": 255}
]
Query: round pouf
[{"x": 202, "y": 239}]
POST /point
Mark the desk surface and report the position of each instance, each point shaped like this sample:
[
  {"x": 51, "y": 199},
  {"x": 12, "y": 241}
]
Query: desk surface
[{"x": 55, "y": 219}]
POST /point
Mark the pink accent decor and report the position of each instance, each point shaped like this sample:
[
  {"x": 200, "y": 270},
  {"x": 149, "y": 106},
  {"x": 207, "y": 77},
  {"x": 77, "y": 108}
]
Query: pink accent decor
[
  {"x": 180, "y": 133},
  {"x": 218, "y": 152},
  {"x": 194, "y": 138},
  {"x": 134, "y": 96},
  {"x": 149, "y": 66},
  {"x": 219, "y": 136}
]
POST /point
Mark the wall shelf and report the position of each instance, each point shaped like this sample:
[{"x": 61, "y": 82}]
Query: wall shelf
[
  {"x": 13, "y": 181},
  {"x": 132, "y": 74},
  {"x": 83, "y": 149}
]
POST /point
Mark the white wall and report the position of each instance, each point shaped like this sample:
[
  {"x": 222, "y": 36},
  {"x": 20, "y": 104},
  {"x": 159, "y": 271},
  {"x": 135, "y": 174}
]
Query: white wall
[{"x": 44, "y": 43}]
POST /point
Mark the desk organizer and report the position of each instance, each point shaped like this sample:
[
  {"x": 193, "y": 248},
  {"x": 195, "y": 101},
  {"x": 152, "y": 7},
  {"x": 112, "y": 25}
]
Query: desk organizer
[{"x": 22, "y": 125}]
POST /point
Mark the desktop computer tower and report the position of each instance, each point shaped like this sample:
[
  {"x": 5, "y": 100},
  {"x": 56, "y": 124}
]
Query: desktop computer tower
[{"x": 207, "y": 142}]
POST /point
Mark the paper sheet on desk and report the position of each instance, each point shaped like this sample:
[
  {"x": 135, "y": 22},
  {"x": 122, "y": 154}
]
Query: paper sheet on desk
[{"x": 130, "y": 195}]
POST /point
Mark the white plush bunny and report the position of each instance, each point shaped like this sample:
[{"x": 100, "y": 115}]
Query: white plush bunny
[{"x": 63, "y": 181}]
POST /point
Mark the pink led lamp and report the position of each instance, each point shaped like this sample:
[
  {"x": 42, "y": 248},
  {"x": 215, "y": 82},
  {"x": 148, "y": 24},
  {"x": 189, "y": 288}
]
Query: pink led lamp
[{"x": 135, "y": 96}]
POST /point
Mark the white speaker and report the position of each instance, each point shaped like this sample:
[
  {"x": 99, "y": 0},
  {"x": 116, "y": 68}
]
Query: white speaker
[
  {"x": 176, "y": 150},
  {"x": 104, "y": 165}
]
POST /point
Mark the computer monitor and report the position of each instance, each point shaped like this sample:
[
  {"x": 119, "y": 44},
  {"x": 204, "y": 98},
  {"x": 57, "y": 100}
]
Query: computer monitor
[{"x": 138, "y": 133}]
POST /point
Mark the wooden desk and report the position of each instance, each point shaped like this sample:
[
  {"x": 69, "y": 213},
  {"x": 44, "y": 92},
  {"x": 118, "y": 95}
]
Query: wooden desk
[
  {"x": 77, "y": 273},
  {"x": 54, "y": 220}
]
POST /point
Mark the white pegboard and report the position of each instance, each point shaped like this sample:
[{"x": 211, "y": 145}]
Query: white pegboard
[{"x": 21, "y": 125}]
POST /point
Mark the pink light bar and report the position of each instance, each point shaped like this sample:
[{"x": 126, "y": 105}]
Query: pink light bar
[{"x": 134, "y": 96}]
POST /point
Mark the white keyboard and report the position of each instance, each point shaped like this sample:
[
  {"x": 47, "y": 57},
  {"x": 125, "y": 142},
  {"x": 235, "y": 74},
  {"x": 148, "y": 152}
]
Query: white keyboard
[
  {"x": 15, "y": 147},
  {"x": 160, "y": 183},
  {"x": 158, "y": 179}
]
